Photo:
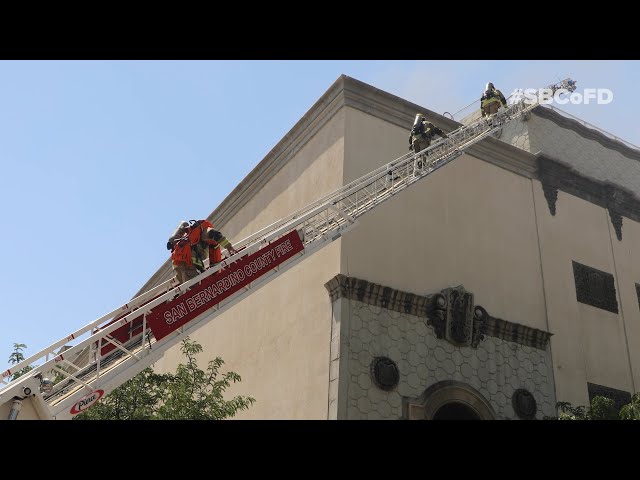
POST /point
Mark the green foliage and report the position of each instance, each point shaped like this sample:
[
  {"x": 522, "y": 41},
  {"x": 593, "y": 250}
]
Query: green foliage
[
  {"x": 631, "y": 411},
  {"x": 57, "y": 377},
  {"x": 135, "y": 399},
  {"x": 567, "y": 412},
  {"x": 17, "y": 357},
  {"x": 190, "y": 394},
  {"x": 601, "y": 408}
]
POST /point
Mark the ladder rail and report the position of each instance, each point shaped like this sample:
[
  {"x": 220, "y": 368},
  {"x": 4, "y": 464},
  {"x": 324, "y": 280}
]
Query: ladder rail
[
  {"x": 50, "y": 350},
  {"x": 60, "y": 408}
]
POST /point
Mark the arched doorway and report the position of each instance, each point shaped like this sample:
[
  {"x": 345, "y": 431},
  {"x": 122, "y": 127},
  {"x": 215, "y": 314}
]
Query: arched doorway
[
  {"x": 455, "y": 411},
  {"x": 448, "y": 400}
]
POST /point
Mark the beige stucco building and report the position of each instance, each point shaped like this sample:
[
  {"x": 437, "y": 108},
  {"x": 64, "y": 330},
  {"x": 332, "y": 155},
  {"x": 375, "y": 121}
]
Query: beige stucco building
[{"x": 499, "y": 285}]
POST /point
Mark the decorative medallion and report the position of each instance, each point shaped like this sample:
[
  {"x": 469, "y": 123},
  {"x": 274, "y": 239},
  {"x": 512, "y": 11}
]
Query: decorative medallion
[
  {"x": 524, "y": 404},
  {"x": 384, "y": 372},
  {"x": 454, "y": 317},
  {"x": 460, "y": 315}
]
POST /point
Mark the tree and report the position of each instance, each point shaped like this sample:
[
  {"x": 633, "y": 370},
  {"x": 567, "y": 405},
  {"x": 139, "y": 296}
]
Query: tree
[
  {"x": 190, "y": 394},
  {"x": 17, "y": 357},
  {"x": 631, "y": 411},
  {"x": 601, "y": 408},
  {"x": 136, "y": 399}
]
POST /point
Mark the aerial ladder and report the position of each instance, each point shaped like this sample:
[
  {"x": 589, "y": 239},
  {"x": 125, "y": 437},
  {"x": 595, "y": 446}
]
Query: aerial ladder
[{"x": 119, "y": 345}]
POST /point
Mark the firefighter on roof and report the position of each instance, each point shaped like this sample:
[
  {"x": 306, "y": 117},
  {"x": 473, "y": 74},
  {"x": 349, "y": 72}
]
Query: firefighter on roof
[{"x": 491, "y": 100}]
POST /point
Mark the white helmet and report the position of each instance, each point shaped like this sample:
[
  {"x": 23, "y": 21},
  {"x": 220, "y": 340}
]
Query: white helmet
[
  {"x": 183, "y": 224},
  {"x": 177, "y": 233}
]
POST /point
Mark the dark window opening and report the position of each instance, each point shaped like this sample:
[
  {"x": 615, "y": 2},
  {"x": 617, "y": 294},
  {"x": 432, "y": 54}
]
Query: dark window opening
[
  {"x": 595, "y": 287},
  {"x": 455, "y": 411}
]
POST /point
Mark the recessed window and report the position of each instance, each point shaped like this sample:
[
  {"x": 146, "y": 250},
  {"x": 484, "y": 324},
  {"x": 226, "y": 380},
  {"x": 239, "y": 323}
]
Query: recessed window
[
  {"x": 620, "y": 397},
  {"x": 595, "y": 287}
]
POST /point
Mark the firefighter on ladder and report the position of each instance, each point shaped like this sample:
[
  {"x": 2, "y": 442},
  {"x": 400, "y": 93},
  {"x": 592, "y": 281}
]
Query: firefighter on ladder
[
  {"x": 422, "y": 133},
  {"x": 491, "y": 101},
  {"x": 191, "y": 243}
]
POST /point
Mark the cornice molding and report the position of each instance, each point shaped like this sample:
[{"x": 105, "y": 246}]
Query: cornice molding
[
  {"x": 586, "y": 132},
  {"x": 557, "y": 175},
  {"x": 351, "y": 288}
]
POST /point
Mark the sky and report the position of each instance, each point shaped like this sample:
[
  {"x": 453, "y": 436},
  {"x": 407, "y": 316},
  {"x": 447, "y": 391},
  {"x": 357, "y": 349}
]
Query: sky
[{"x": 101, "y": 159}]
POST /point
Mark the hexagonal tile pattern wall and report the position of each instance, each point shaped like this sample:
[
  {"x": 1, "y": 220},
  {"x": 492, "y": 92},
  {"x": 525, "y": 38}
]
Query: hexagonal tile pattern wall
[
  {"x": 517, "y": 134},
  {"x": 497, "y": 368}
]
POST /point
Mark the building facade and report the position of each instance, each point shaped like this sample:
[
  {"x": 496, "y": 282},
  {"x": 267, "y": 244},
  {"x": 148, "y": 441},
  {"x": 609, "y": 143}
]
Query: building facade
[{"x": 497, "y": 286}]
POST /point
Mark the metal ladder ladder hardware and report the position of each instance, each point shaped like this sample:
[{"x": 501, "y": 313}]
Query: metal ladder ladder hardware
[{"x": 117, "y": 346}]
